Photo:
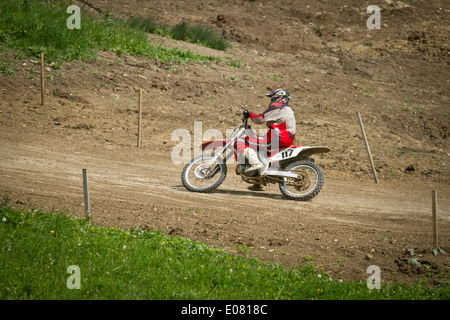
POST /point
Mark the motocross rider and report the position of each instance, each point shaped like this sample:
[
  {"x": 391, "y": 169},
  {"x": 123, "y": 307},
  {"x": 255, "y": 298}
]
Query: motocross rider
[{"x": 280, "y": 119}]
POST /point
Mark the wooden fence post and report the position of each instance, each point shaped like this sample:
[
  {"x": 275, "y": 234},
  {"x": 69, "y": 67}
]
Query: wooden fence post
[
  {"x": 434, "y": 218},
  {"x": 139, "y": 118},
  {"x": 42, "y": 79},
  {"x": 367, "y": 147},
  {"x": 87, "y": 208}
]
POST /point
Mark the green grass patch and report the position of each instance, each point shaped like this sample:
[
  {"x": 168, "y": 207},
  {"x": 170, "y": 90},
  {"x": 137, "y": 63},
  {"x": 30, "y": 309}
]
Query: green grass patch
[
  {"x": 37, "y": 248},
  {"x": 35, "y": 27},
  {"x": 148, "y": 24},
  {"x": 197, "y": 33},
  {"x": 7, "y": 68}
]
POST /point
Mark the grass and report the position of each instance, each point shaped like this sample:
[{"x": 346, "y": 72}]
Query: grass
[
  {"x": 198, "y": 33},
  {"x": 148, "y": 24},
  {"x": 7, "y": 68},
  {"x": 235, "y": 63},
  {"x": 275, "y": 77},
  {"x": 37, "y": 249},
  {"x": 404, "y": 108},
  {"x": 366, "y": 94},
  {"x": 35, "y": 27}
]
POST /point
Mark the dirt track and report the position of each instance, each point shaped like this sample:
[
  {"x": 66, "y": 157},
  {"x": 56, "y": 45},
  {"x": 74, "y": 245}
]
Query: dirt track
[
  {"x": 345, "y": 229},
  {"x": 89, "y": 121}
]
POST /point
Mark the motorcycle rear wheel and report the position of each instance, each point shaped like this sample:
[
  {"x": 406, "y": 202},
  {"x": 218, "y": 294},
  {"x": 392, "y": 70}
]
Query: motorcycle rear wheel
[
  {"x": 307, "y": 186},
  {"x": 197, "y": 178}
]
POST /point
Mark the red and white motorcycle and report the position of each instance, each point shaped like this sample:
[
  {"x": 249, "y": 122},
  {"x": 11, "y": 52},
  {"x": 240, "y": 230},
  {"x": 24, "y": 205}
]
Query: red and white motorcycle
[{"x": 299, "y": 178}]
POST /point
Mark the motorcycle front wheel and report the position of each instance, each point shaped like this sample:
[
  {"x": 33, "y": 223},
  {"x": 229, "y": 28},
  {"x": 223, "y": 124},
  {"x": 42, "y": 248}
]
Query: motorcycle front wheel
[
  {"x": 197, "y": 177},
  {"x": 307, "y": 185}
]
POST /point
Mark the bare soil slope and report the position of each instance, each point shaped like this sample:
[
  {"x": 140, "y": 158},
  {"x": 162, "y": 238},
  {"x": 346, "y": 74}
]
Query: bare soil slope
[{"x": 397, "y": 77}]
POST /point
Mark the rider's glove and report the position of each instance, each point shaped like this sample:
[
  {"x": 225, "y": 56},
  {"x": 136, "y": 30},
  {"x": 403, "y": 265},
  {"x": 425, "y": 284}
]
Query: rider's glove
[{"x": 247, "y": 114}]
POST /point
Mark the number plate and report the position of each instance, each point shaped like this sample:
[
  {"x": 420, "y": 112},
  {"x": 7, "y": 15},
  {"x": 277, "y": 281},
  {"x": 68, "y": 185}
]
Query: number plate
[{"x": 286, "y": 154}]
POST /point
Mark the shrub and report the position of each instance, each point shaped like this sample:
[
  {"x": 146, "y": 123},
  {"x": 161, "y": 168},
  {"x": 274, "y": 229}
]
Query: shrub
[{"x": 199, "y": 34}]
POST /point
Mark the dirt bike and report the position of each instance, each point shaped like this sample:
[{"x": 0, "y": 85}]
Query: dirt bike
[{"x": 298, "y": 176}]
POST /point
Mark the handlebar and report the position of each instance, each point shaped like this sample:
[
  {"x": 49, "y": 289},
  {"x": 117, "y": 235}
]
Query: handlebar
[{"x": 245, "y": 117}]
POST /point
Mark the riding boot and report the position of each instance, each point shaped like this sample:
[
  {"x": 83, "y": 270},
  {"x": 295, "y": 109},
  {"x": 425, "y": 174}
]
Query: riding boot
[{"x": 253, "y": 159}]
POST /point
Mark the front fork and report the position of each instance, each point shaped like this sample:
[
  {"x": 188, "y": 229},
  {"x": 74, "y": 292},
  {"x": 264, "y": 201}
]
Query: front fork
[{"x": 236, "y": 134}]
